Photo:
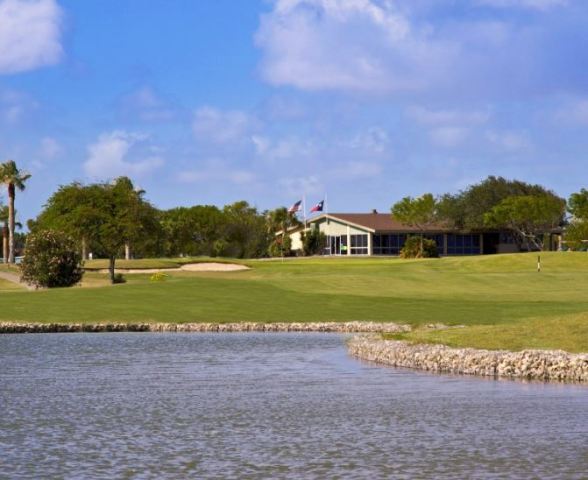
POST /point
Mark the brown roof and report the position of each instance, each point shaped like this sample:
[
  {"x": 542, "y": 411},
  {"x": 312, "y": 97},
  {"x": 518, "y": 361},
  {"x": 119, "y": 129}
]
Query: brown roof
[{"x": 379, "y": 222}]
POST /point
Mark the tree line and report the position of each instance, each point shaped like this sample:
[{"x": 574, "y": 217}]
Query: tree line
[
  {"x": 529, "y": 212},
  {"x": 114, "y": 219}
]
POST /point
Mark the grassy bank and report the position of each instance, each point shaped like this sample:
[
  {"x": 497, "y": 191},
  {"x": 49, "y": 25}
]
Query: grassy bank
[{"x": 500, "y": 298}]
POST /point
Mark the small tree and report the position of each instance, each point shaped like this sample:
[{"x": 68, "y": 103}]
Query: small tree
[
  {"x": 418, "y": 212},
  {"x": 51, "y": 260},
  {"x": 419, "y": 247},
  {"x": 14, "y": 180},
  {"x": 529, "y": 217},
  {"x": 578, "y": 205},
  {"x": 280, "y": 221},
  {"x": 577, "y": 235},
  {"x": 280, "y": 247},
  {"x": 314, "y": 242}
]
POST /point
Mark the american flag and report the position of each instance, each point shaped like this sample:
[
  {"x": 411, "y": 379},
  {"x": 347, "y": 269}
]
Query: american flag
[{"x": 296, "y": 207}]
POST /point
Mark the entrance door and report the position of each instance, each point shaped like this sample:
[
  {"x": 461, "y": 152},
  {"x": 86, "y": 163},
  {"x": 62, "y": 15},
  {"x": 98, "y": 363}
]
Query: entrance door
[{"x": 339, "y": 245}]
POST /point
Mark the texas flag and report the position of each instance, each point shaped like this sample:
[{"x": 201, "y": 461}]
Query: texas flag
[
  {"x": 318, "y": 207},
  {"x": 296, "y": 207}
]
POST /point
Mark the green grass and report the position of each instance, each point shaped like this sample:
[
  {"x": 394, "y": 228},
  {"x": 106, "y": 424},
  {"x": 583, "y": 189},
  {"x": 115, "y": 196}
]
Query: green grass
[
  {"x": 490, "y": 295},
  {"x": 568, "y": 333},
  {"x": 6, "y": 286}
]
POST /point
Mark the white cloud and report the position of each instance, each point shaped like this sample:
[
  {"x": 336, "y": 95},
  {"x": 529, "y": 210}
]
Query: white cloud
[
  {"x": 427, "y": 116},
  {"x": 215, "y": 170},
  {"x": 297, "y": 186},
  {"x": 509, "y": 141},
  {"x": 289, "y": 148},
  {"x": 358, "y": 169},
  {"x": 358, "y": 45},
  {"x": 109, "y": 156},
  {"x": 16, "y": 106},
  {"x": 532, "y": 4},
  {"x": 448, "y": 136},
  {"x": 574, "y": 112},
  {"x": 147, "y": 105},
  {"x": 223, "y": 127},
  {"x": 30, "y": 35},
  {"x": 373, "y": 141},
  {"x": 50, "y": 148}
]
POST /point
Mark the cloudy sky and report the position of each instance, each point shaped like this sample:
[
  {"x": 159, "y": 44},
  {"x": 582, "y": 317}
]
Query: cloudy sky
[{"x": 213, "y": 101}]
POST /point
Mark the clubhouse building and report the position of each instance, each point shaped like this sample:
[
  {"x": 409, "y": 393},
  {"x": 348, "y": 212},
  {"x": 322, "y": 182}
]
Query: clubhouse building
[{"x": 379, "y": 234}]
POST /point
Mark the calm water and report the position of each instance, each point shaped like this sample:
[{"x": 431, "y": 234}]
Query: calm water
[{"x": 268, "y": 406}]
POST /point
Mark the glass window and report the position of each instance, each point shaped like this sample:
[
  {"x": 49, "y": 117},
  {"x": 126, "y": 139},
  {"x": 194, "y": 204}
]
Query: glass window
[{"x": 359, "y": 244}]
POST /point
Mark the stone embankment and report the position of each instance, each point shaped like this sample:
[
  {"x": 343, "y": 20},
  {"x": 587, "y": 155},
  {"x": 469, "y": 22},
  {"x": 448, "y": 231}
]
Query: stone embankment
[
  {"x": 335, "y": 327},
  {"x": 545, "y": 365}
]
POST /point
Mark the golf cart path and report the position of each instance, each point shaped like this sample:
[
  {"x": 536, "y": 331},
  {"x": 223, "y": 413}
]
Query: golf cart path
[{"x": 14, "y": 278}]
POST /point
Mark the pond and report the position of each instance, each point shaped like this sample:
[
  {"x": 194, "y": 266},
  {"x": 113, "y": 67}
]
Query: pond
[{"x": 273, "y": 405}]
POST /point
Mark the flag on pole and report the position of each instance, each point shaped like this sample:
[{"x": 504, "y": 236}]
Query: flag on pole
[
  {"x": 296, "y": 207},
  {"x": 318, "y": 207}
]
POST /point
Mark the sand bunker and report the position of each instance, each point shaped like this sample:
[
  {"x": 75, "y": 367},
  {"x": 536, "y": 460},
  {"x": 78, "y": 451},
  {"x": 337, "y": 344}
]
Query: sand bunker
[
  {"x": 189, "y": 267},
  {"x": 213, "y": 267}
]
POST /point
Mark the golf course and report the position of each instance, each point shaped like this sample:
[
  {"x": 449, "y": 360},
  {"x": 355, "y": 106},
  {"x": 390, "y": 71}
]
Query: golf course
[{"x": 494, "y": 302}]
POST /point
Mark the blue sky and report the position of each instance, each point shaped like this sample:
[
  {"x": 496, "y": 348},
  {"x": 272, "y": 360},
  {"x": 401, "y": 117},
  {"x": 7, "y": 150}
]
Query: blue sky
[{"x": 209, "y": 102}]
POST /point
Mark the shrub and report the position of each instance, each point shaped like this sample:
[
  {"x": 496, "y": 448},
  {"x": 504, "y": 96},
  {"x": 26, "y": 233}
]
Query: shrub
[
  {"x": 119, "y": 278},
  {"x": 576, "y": 235},
  {"x": 159, "y": 277},
  {"x": 412, "y": 248},
  {"x": 279, "y": 249},
  {"x": 314, "y": 242},
  {"x": 51, "y": 260}
]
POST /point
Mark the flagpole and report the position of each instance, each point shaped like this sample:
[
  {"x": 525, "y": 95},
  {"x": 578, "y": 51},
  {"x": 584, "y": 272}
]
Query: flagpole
[{"x": 304, "y": 210}]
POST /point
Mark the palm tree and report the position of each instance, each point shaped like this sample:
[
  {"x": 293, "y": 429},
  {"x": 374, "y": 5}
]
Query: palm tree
[
  {"x": 281, "y": 220},
  {"x": 4, "y": 221},
  {"x": 14, "y": 179}
]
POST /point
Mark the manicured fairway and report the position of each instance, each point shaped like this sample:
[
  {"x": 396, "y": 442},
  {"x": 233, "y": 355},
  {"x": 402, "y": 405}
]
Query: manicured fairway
[{"x": 498, "y": 292}]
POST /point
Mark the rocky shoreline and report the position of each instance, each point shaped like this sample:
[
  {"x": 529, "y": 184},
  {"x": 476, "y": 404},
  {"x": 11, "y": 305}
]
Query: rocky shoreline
[
  {"x": 335, "y": 327},
  {"x": 544, "y": 365}
]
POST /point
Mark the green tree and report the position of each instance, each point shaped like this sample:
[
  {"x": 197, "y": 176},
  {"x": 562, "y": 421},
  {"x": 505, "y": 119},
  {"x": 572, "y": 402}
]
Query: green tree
[
  {"x": 529, "y": 217},
  {"x": 193, "y": 230},
  {"x": 106, "y": 216},
  {"x": 245, "y": 231},
  {"x": 14, "y": 180},
  {"x": 421, "y": 213},
  {"x": 313, "y": 242},
  {"x": 576, "y": 235},
  {"x": 279, "y": 223},
  {"x": 139, "y": 217},
  {"x": 466, "y": 210},
  {"x": 578, "y": 205},
  {"x": 125, "y": 217},
  {"x": 72, "y": 209}
]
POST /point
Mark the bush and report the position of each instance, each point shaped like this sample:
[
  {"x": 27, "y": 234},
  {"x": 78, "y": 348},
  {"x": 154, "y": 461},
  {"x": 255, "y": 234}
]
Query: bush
[
  {"x": 51, "y": 260},
  {"x": 412, "y": 248},
  {"x": 119, "y": 278},
  {"x": 277, "y": 249},
  {"x": 576, "y": 235},
  {"x": 159, "y": 277},
  {"x": 314, "y": 242}
]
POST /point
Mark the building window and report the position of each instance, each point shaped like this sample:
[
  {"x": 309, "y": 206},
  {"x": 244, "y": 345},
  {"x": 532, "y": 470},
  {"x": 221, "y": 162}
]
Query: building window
[
  {"x": 359, "y": 244},
  {"x": 388, "y": 244},
  {"x": 458, "y": 244}
]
